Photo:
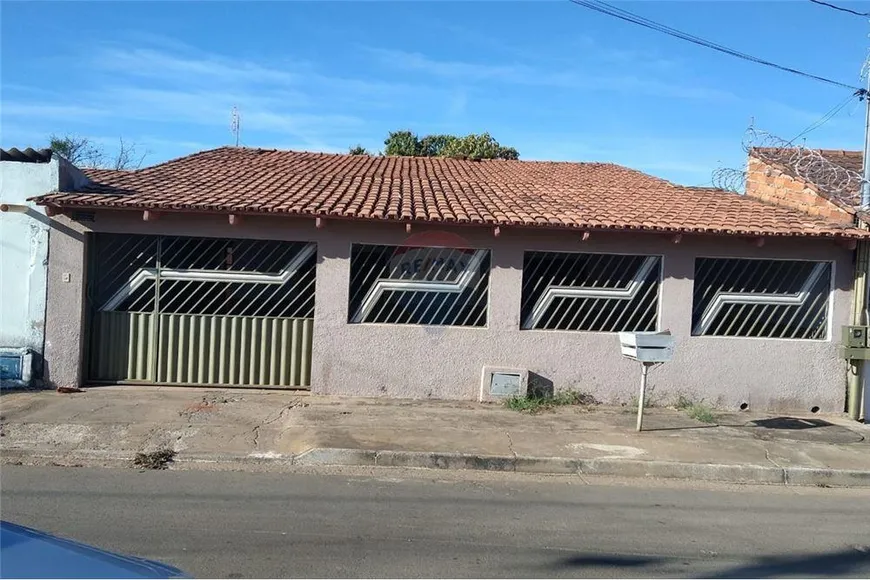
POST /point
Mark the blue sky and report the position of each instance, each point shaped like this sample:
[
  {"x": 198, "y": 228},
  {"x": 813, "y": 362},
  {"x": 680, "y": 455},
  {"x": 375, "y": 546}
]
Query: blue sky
[{"x": 550, "y": 78}]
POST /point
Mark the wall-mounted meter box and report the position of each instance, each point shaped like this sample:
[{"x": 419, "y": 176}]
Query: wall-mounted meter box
[
  {"x": 855, "y": 336},
  {"x": 855, "y": 345},
  {"x": 499, "y": 383}
]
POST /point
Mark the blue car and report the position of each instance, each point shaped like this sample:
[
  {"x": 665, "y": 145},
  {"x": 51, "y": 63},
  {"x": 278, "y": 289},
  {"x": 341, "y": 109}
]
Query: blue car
[{"x": 29, "y": 553}]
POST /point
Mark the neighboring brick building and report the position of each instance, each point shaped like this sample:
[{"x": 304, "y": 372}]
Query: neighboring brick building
[{"x": 784, "y": 177}]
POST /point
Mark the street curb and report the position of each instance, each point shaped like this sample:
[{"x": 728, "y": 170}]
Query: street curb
[
  {"x": 722, "y": 473},
  {"x": 66, "y": 458},
  {"x": 630, "y": 468},
  {"x": 827, "y": 477}
]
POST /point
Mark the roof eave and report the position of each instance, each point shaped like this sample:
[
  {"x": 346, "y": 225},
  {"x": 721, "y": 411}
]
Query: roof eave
[{"x": 847, "y": 233}]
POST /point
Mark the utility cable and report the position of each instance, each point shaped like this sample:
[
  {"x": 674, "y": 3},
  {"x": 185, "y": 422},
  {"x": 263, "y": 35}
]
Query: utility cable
[
  {"x": 841, "y": 9},
  {"x": 627, "y": 16},
  {"x": 827, "y": 117}
]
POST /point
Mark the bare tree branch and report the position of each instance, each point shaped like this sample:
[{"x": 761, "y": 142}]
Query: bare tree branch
[
  {"x": 82, "y": 152},
  {"x": 79, "y": 151},
  {"x": 128, "y": 157}
]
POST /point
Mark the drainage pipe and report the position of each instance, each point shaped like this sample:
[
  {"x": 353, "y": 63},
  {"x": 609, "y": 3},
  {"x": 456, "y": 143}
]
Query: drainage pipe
[{"x": 859, "y": 308}]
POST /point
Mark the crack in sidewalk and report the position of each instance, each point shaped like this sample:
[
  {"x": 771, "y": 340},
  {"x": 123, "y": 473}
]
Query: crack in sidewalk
[
  {"x": 767, "y": 454},
  {"x": 277, "y": 417},
  {"x": 256, "y": 432},
  {"x": 777, "y": 465},
  {"x": 511, "y": 444},
  {"x": 283, "y": 412}
]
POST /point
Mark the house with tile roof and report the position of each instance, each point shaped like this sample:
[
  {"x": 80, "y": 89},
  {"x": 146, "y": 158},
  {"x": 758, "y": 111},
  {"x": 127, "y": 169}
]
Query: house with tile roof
[{"x": 410, "y": 277}]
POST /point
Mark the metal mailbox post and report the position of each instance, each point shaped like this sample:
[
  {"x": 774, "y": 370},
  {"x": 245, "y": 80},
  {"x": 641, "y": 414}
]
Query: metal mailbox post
[{"x": 649, "y": 349}]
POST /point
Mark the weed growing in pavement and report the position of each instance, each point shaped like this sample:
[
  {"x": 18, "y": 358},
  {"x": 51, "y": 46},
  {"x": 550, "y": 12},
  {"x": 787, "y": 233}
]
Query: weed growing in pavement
[
  {"x": 537, "y": 403},
  {"x": 652, "y": 400},
  {"x": 698, "y": 411},
  {"x": 154, "y": 460}
]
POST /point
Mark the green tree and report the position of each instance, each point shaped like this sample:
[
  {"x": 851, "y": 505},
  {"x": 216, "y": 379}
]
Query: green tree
[
  {"x": 476, "y": 147},
  {"x": 358, "y": 150},
  {"x": 402, "y": 143},
  {"x": 472, "y": 146},
  {"x": 79, "y": 151},
  {"x": 434, "y": 145}
]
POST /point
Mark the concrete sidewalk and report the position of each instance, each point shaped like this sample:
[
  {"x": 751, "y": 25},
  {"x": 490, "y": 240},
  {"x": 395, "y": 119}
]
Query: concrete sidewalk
[{"x": 280, "y": 429}]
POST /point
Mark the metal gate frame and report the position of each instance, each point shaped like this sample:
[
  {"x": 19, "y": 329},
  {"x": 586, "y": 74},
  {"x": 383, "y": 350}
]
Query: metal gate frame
[{"x": 238, "y": 349}]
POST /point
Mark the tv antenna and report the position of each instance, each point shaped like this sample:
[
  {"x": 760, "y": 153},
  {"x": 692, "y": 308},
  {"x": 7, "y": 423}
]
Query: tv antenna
[{"x": 235, "y": 124}]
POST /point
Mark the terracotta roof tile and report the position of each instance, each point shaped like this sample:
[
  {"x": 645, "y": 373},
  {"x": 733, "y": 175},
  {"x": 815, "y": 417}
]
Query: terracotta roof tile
[
  {"x": 851, "y": 160},
  {"x": 497, "y": 192}
]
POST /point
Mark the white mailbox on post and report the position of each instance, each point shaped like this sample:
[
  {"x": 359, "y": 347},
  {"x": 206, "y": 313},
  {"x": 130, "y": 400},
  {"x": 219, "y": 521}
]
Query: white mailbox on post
[{"x": 649, "y": 349}]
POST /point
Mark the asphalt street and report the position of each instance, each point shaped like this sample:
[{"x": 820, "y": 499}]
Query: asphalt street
[{"x": 393, "y": 523}]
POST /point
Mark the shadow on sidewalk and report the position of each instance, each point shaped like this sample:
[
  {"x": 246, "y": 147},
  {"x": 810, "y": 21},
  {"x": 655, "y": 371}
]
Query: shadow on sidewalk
[
  {"x": 791, "y": 423},
  {"x": 608, "y": 561},
  {"x": 849, "y": 562}
]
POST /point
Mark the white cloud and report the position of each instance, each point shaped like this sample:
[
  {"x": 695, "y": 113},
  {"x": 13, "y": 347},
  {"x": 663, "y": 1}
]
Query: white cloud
[
  {"x": 572, "y": 78},
  {"x": 47, "y": 110},
  {"x": 457, "y": 104},
  {"x": 578, "y": 49},
  {"x": 202, "y": 69},
  {"x": 170, "y": 83},
  {"x": 258, "y": 112},
  {"x": 153, "y": 89}
]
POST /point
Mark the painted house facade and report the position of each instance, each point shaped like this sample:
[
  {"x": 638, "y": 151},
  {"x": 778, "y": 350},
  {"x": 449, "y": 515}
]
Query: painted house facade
[
  {"x": 406, "y": 277},
  {"x": 24, "y": 241}
]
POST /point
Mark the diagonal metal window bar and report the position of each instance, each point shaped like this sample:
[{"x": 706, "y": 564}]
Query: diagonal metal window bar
[
  {"x": 590, "y": 292},
  {"x": 418, "y": 285},
  {"x": 214, "y": 276},
  {"x": 118, "y": 261},
  {"x": 761, "y": 298}
]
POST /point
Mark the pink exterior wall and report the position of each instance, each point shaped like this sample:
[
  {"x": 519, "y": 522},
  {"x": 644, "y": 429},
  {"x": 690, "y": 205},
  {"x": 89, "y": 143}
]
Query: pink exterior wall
[
  {"x": 64, "y": 309},
  {"x": 419, "y": 362}
]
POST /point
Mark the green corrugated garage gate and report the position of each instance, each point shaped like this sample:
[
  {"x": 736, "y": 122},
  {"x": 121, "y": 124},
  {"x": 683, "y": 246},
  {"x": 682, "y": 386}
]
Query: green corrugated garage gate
[{"x": 200, "y": 311}]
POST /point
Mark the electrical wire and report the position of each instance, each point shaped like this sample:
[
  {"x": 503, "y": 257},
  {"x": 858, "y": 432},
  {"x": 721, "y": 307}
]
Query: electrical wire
[
  {"x": 841, "y": 9},
  {"x": 827, "y": 117},
  {"x": 627, "y": 16}
]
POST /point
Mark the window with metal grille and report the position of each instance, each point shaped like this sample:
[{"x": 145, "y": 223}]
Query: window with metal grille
[
  {"x": 761, "y": 298},
  {"x": 215, "y": 276},
  {"x": 590, "y": 292},
  {"x": 122, "y": 269},
  {"x": 418, "y": 285}
]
